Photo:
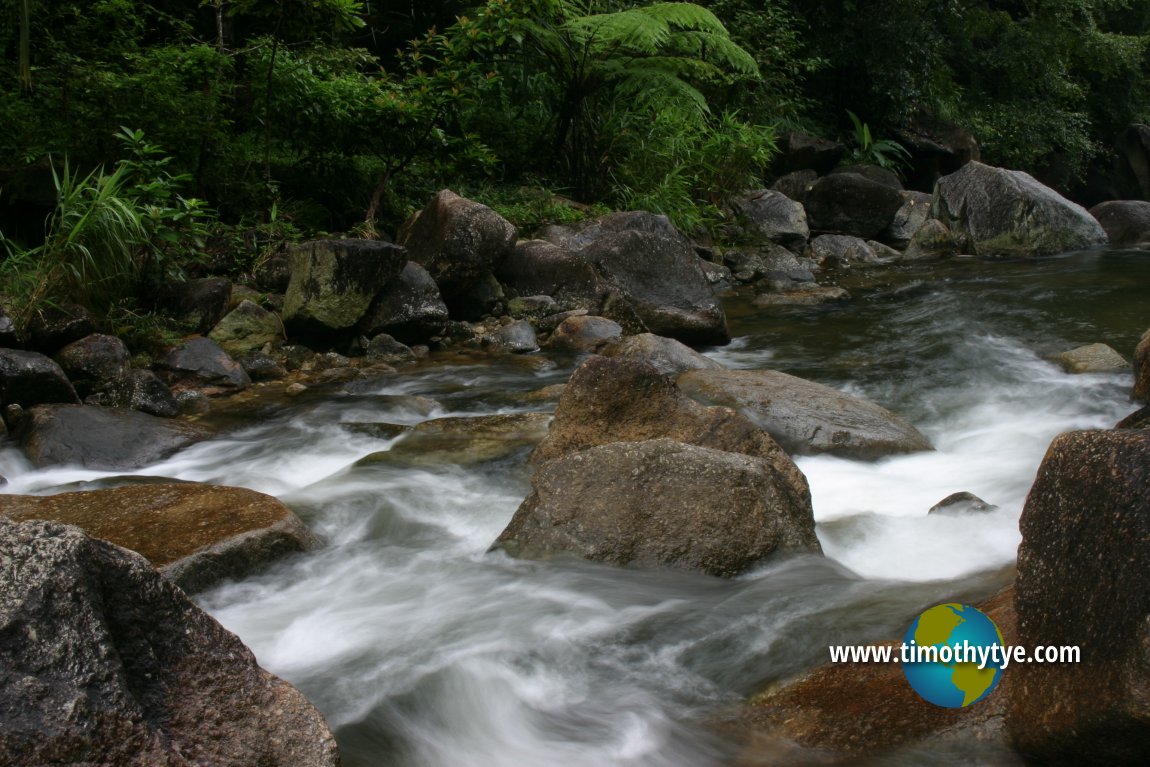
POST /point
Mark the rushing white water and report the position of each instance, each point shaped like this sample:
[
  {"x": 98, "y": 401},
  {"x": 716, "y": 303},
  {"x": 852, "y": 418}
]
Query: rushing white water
[{"x": 422, "y": 648}]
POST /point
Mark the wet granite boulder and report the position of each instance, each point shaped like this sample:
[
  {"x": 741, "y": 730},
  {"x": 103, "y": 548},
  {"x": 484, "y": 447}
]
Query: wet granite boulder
[
  {"x": 847, "y": 203},
  {"x": 102, "y": 438},
  {"x": 200, "y": 363},
  {"x": 30, "y": 378},
  {"x": 769, "y": 216},
  {"x": 907, "y": 220},
  {"x": 458, "y": 241},
  {"x": 666, "y": 355},
  {"x": 247, "y": 328},
  {"x": 1092, "y": 358},
  {"x": 584, "y": 333},
  {"x": 806, "y": 417},
  {"x": 333, "y": 283},
  {"x": 141, "y": 390},
  {"x": 963, "y": 502},
  {"x": 661, "y": 503},
  {"x": 106, "y": 663},
  {"x": 997, "y": 212},
  {"x": 410, "y": 308},
  {"x": 93, "y": 362},
  {"x": 932, "y": 242},
  {"x": 384, "y": 348},
  {"x": 516, "y": 337},
  {"x": 195, "y": 535},
  {"x": 539, "y": 267},
  {"x": 843, "y": 251},
  {"x": 1127, "y": 222},
  {"x": 1082, "y": 568},
  {"x": 628, "y": 400}
]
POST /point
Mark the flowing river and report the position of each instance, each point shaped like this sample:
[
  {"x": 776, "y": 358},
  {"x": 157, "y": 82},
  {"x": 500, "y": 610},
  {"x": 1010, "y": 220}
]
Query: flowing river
[{"x": 421, "y": 648}]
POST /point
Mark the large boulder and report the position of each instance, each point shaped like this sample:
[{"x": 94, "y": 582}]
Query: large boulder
[
  {"x": 93, "y": 362},
  {"x": 102, "y": 438},
  {"x": 200, "y": 363},
  {"x": 660, "y": 277},
  {"x": 908, "y": 219},
  {"x": 105, "y": 663},
  {"x": 1127, "y": 222},
  {"x": 540, "y": 267},
  {"x": 458, "y": 241},
  {"x": 847, "y": 203},
  {"x": 1082, "y": 568},
  {"x": 806, "y": 417},
  {"x": 195, "y": 535},
  {"x": 843, "y": 251},
  {"x": 1141, "y": 392},
  {"x": 997, "y": 212},
  {"x": 409, "y": 309},
  {"x": 30, "y": 378},
  {"x": 770, "y": 216},
  {"x": 661, "y": 503},
  {"x": 666, "y": 355},
  {"x": 628, "y": 400},
  {"x": 247, "y": 328},
  {"x": 802, "y": 151},
  {"x": 333, "y": 283}
]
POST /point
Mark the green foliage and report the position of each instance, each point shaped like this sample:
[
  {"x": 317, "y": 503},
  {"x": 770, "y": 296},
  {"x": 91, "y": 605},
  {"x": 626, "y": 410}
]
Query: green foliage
[
  {"x": 111, "y": 233},
  {"x": 885, "y": 153}
]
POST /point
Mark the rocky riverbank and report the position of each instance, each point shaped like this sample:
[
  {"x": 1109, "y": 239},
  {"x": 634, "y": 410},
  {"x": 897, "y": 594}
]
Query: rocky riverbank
[{"x": 645, "y": 423}]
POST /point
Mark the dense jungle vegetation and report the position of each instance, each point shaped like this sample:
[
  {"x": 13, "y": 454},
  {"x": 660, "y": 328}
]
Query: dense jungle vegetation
[{"x": 178, "y": 126}]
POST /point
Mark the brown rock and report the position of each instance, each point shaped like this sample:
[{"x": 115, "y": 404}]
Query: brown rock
[
  {"x": 628, "y": 400},
  {"x": 465, "y": 440},
  {"x": 1082, "y": 568},
  {"x": 855, "y": 709},
  {"x": 103, "y": 662},
  {"x": 195, "y": 535},
  {"x": 584, "y": 333},
  {"x": 661, "y": 503}
]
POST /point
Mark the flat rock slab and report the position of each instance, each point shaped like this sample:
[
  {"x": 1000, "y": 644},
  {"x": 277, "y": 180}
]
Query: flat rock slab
[
  {"x": 103, "y": 438},
  {"x": 104, "y": 663},
  {"x": 1093, "y": 358},
  {"x": 807, "y": 417},
  {"x": 465, "y": 440},
  {"x": 196, "y": 535}
]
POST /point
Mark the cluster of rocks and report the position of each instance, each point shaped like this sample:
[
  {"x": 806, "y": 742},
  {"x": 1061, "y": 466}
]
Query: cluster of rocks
[
  {"x": 636, "y": 472},
  {"x": 809, "y": 226}
]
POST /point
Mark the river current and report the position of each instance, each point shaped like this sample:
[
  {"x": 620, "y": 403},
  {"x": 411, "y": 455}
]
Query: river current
[{"x": 422, "y": 648}]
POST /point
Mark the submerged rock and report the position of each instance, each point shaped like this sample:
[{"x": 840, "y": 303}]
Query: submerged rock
[
  {"x": 809, "y": 295},
  {"x": 1082, "y": 568},
  {"x": 661, "y": 503},
  {"x": 106, "y": 663},
  {"x": 996, "y": 212},
  {"x": 807, "y": 417},
  {"x": 961, "y": 503},
  {"x": 458, "y": 241},
  {"x": 195, "y": 535},
  {"x": 1094, "y": 358},
  {"x": 666, "y": 355}
]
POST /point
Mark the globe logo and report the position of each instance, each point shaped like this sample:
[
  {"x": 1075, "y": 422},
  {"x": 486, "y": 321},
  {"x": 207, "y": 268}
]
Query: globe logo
[{"x": 942, "y": 652}]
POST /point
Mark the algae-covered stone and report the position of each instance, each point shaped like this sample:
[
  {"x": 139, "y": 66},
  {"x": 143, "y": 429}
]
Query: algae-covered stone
[
  {"x": 465, "y": 440},
  {"x": 247, "y": 328},
  {"x": 333, "y": 283}
]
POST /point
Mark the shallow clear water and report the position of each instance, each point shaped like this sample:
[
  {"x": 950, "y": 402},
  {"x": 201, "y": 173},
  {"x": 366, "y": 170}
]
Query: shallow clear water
[{"x": 422, "y": 648}]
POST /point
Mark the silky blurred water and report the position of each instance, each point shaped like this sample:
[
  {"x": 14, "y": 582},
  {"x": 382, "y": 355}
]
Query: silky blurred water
[{"x": 422, "y": 648}]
